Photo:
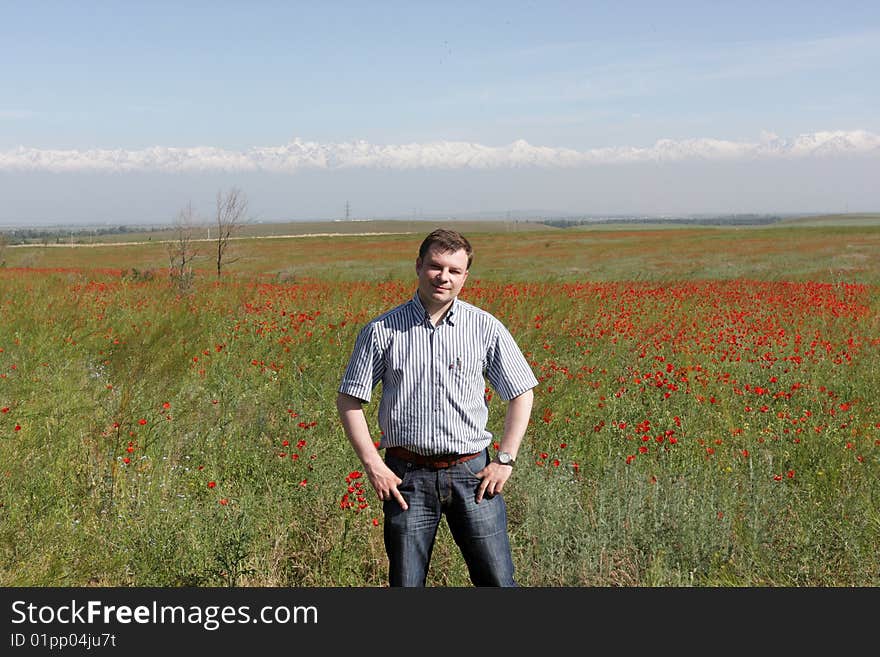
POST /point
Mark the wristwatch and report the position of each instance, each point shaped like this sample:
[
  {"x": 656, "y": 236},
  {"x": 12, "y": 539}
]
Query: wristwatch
[{"x": 504, "y": 458}]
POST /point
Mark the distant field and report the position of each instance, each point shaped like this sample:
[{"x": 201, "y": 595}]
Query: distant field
[
  {"x": 276, "y": 229},
  {"x": 866, "y": 219},
  {"x": 831, "y": 252},
  {"x": 394, "y": 226}
]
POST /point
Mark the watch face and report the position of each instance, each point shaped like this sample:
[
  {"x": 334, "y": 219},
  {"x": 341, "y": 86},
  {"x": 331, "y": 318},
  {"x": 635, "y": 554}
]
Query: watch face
[{"x": 504, "y": 457}]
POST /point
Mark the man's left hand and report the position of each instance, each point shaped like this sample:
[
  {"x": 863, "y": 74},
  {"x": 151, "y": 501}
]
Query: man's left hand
[{"x": 493, "y": 476}]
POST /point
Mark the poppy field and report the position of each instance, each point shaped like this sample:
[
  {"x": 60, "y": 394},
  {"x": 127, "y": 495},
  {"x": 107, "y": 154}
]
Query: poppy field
[{"x": 707, "y": 411}]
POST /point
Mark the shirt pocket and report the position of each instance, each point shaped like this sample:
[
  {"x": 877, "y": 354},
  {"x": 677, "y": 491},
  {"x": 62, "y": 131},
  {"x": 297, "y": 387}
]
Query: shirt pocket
[{"x": 468, "y": 370}]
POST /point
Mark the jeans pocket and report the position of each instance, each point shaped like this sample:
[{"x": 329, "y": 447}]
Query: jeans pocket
[
  {"x": 476, "y": 464},
  {"x": 399, "y": 467}
]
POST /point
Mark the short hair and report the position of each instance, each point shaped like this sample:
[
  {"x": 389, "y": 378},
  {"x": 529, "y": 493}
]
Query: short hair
[{"x": 448, "y": 241}]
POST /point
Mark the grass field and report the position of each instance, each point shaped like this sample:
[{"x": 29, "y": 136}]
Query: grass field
[{"x": 706, "y": 414}]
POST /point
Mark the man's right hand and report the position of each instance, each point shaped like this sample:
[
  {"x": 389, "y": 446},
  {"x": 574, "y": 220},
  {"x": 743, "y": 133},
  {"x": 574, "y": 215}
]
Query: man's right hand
[{"x": 385, "y": 484}]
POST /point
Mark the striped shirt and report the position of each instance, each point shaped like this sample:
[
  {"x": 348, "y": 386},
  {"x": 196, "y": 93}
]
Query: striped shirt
[{"x": 434, "y": 377}]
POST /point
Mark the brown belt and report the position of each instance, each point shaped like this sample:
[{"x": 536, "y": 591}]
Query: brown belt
[{"x": 439, "y": 461}]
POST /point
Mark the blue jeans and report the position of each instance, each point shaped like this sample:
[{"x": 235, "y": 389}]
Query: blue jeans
[{"x": 480, "y": 530}]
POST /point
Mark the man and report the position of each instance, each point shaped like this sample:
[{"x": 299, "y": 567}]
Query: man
[{"x": 433, "y": 355}]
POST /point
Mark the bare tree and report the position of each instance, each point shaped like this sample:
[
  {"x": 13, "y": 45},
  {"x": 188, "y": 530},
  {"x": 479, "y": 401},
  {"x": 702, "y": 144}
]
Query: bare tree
[
  {"x": 231, "y": 211},
  {"x": 182, "y": 249}
]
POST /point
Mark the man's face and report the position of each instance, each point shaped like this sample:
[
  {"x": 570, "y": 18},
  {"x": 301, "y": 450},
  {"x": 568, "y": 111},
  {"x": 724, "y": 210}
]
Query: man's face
[{"x": 441, "y": 276}]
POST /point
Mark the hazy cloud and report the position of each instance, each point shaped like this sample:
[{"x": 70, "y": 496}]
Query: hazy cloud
[{"x": 307, "y": 155}]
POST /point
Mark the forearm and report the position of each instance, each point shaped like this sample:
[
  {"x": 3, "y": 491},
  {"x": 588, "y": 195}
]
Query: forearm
[
  {"x": 383, "y": 480},
  {"x": 354, "y": 422},
  {"x": 516, "y": 421}
]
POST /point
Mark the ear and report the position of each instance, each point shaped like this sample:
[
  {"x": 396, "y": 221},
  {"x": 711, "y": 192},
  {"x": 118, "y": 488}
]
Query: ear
[{"x": 418, "y": 264}]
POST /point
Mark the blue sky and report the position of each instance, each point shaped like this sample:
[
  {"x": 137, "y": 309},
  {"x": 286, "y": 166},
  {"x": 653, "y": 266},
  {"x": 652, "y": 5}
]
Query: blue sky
[{"x": 122, "y": 112}]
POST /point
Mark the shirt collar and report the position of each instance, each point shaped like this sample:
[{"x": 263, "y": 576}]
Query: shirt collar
[{"x": 421, "y": 315}]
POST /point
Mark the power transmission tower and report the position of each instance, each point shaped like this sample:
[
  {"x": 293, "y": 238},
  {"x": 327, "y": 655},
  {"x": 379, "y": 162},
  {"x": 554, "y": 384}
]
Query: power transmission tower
[{"x": 347, "y": 210}]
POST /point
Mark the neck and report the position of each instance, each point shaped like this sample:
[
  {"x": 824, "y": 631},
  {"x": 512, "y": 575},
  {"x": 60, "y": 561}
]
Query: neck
[{"x": 435, "y": 311}]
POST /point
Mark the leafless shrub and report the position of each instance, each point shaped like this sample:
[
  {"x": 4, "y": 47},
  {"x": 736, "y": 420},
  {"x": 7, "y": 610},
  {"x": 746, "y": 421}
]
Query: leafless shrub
[
  {"x": 182, "y": 249},
  {"x": 230, "y": 217}
]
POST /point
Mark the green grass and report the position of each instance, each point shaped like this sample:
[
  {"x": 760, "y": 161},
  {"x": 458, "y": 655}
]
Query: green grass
[{"x": 742, "y": 362}]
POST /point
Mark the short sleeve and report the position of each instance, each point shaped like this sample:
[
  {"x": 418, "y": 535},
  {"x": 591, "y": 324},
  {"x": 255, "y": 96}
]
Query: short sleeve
[
  {"x": 507, "y": 369},
  {"x": 365, "y": 367}
]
